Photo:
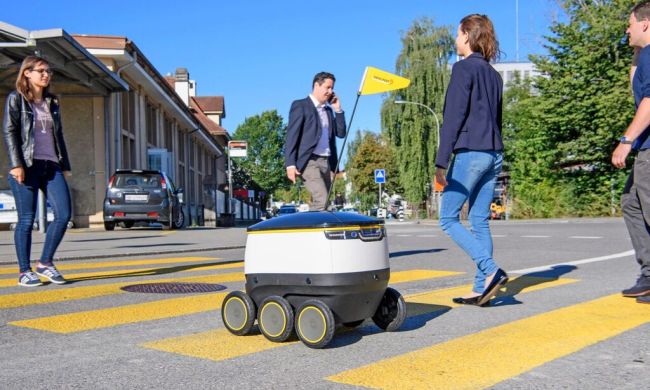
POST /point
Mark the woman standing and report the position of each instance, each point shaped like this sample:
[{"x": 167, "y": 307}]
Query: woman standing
[
  {"x": 471, "y": 130},
  {"x": 38, "y": 160}
]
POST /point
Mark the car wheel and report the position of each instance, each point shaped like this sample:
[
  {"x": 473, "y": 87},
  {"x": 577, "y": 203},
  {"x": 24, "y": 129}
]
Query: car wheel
[
  {"x": 179, "y": 221},
  {"x": 109, "y": 226}
]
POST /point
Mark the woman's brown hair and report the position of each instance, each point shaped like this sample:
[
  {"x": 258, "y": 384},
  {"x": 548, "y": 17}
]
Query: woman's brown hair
[
  {"x": 22, "y": 83},
  {"x": 481, "y": 35}
]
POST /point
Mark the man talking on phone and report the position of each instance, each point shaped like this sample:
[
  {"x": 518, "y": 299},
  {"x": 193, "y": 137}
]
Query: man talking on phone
[{"x": 310, "y": 147}]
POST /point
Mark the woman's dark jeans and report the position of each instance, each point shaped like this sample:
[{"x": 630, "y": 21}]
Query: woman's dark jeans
[{"x": 46, "y": 176}]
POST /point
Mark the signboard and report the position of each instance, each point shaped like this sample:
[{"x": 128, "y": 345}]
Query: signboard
[
  {"x": 380, "y": 176},
  {"x": 237, "y": 148}
]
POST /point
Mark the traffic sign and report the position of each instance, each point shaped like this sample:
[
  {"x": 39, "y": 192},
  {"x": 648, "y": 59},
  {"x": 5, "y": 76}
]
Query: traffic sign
[{"x": 380, "y": 176}]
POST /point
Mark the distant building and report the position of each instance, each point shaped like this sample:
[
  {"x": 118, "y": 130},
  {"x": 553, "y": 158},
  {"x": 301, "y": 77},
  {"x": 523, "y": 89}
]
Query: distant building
[{"x": 510, "y": 70}]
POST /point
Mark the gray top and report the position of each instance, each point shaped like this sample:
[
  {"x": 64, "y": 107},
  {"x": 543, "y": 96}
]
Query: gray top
[{"x": 43, "y": 133}]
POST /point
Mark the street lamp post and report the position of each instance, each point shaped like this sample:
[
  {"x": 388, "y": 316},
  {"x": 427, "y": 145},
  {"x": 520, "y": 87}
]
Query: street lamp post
[{"x": 435, "y": 116}]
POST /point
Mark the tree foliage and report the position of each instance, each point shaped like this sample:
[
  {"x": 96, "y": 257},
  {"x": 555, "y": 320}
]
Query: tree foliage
[
  {"x": 264, "y": 165},
  {"x": 559, "y": 139},
  {"x": 411, "y": 129}
]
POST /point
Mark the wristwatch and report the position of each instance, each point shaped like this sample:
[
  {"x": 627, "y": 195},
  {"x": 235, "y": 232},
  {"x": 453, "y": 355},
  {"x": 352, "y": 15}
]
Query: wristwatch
[{"x": 625, "y": 141}]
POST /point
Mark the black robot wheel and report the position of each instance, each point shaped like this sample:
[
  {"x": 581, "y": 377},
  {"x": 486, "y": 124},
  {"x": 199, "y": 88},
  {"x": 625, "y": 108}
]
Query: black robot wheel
[
  {"x": 238, "y": 313},
  {"x": 391, "y": 312},
  {"x": 275, "y": 318},
  {"x": 315, "y": 323}
]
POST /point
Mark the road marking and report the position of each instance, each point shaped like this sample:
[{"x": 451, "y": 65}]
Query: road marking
[
  {"x": 403, "y": 235},
  {"x": 102, "y": 318},
  {"x": 418, "y": 274},
  {"x": 67, "y": 294},
  {"x": 483, "y": 359},
  {"x": 219, "y": 344},
  {"x": 586, "y": 237},
  {"x": 576, "y": 262},
  {"x": 499, "y": 236},
  {"x": 114, "y": 274},
  {"x": 427, "y": 235},
  {"x": 149, "y": 311},
  {"x": 536, "y": 236},
  {"x": 123, "y": 263}
]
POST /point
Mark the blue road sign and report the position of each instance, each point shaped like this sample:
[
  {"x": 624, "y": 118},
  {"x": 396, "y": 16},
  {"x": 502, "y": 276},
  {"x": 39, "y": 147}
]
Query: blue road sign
[{"x": 380, "y": 176}]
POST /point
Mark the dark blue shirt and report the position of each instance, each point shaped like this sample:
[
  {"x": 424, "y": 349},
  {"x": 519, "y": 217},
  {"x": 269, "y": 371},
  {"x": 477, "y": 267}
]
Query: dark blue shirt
[
  {"x": 472, "y": 113},
  {"x": 641, "y": 88}
]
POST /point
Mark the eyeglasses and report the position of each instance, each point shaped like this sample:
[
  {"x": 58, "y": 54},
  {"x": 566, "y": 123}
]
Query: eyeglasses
[{"x": 41, "y": 71}]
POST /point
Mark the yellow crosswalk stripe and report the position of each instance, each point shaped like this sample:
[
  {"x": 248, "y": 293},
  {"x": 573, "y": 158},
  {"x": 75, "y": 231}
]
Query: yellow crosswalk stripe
[
  {"x": 219, "y": 344},
  {"x": 108, "y": 264},
  {"x": 488, "y": 357},
  {"x": 95, "y": 319},
  {"x": 101, "y": 318},
  {"x": 114, "y": 274},
  {"x": 8, "y": 301}
]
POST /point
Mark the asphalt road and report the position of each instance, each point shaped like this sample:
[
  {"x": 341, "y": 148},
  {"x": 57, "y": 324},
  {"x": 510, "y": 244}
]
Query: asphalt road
[{"x": 560, "y": 323}]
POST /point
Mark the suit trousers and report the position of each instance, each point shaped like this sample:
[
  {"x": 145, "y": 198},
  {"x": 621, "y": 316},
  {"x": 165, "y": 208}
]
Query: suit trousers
[
  {"x": 635, "y": 204},
  {"x": 318, "y": 178}
]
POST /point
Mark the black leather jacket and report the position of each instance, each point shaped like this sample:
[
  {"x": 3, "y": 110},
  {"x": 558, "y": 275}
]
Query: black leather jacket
[{"x": 18, "y": 126}]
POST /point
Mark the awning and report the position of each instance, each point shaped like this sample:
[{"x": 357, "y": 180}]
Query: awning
[{"x": 74, "y": 66}]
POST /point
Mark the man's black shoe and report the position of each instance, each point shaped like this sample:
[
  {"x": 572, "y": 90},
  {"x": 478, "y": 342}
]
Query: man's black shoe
[
  {"x": 641, "y": 288},
  {"x": 645, "y": 299}
]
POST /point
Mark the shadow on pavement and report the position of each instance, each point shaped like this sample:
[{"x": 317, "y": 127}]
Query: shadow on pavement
[
  {"x": 149, "y": 272},
  {"x": 507, "y": 296},
  {"x": 415, "y": 252}
]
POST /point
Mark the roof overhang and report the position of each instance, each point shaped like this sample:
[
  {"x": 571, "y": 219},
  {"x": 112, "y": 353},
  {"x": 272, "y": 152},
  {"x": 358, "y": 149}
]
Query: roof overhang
[{"x": 74, "y": 66}]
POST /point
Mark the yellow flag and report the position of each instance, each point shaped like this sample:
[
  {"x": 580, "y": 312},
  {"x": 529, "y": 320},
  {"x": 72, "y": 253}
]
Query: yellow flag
[{"x": 377, "y": 81}]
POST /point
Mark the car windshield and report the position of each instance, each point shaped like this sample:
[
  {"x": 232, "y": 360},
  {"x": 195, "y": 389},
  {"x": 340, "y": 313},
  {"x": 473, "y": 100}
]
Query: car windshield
[
  {"x": 287, "y": 210},
  {"x": 137, "y": 180}
]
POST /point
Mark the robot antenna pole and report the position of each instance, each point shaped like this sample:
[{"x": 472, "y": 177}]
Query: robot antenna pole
[{"x": 347, "y": 133}]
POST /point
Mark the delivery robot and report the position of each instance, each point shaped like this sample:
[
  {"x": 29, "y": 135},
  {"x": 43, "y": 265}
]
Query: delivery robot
[{"x": 310, "y": 272}]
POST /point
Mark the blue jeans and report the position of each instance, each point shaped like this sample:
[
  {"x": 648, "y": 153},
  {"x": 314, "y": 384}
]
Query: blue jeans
[
  {"x": 472, "y": 177},
  {"x": 46, "y": 176}
]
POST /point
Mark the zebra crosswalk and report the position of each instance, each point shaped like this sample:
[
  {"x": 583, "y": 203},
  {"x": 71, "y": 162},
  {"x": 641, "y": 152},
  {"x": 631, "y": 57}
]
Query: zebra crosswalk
[{"x": 541, "y": 337}]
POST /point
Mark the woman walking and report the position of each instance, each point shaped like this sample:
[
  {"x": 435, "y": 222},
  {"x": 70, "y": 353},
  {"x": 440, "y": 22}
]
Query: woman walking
[
  {"x": 38, "y": 160},
  {"x": 471, "y": 130}
]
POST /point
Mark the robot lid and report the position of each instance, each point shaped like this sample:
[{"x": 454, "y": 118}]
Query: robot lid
[{"x": 315, "y": 220}]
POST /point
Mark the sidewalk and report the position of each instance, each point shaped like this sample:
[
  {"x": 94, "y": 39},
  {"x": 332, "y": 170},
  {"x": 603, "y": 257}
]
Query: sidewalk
[{"x": 93, "y": 243}]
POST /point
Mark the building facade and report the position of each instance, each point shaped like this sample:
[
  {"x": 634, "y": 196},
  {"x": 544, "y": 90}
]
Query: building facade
[{"x": 118, "y": 112}]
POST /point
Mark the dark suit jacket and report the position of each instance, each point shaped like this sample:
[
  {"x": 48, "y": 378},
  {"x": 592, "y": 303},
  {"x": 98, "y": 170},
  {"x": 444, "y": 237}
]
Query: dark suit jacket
[
  {"x": 304, "y": 131},
  {"x": 472, "y": 113}
]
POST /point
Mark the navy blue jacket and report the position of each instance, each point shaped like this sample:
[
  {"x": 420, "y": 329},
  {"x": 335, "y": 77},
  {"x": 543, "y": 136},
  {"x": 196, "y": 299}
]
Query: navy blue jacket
[
  {"x": 304, "y": 131},
  {"x": 472, "y": 112}
]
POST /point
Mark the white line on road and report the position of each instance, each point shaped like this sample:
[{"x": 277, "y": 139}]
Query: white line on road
[
  {"x": 576, "y": 262},
  {"x": 403, "y": 235},
  {"x": 426, "y": 235},
  {"x": 586, "y": 237},
  {"x": 499, "y": 235},
  {"x": 536, "y": 236}
]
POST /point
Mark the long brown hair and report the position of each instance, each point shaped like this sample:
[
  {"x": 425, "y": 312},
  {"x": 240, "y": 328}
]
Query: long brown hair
[
  {"x": 481, "y": 35},
  {"x": 22, "y": 83}
]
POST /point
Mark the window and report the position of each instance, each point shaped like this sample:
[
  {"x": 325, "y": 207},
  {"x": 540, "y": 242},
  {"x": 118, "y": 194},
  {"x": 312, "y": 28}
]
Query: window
[
  {"x": 128, "y": 110},
  {"x": 167, "y": 133},
  {"x": 151, "y": 122}
]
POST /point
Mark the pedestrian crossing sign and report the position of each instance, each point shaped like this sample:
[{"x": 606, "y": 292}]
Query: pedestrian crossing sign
[{"x": 380, "y": 176}]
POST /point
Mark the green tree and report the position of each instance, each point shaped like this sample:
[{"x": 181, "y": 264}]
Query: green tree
[
  {"x": 264, "y": 164},
  {"x": 412, "y": 130},
  {"x": 560, "y": 139},
  {"x": 370, "y": 151}
]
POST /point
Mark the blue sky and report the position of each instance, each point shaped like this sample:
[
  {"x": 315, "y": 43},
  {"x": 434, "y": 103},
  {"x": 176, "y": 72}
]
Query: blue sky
[{"x": 262, "y": 55}]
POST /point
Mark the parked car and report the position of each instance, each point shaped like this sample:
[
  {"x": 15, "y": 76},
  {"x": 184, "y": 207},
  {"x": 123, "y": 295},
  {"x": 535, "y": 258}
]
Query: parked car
[
  {"x": 142, "y": 196},
  {"x": 287, "y": 209}
]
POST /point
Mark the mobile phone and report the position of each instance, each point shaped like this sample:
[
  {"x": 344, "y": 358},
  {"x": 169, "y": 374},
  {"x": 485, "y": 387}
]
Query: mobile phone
[{"x": 331, "y": 98}]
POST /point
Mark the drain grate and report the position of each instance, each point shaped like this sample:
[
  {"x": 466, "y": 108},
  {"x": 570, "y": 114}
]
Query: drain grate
[{"x": 173, "y": 288}]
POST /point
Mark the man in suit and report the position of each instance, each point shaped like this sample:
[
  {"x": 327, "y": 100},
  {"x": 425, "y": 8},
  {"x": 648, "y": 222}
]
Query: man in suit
[{"x": 310, "y": 147}]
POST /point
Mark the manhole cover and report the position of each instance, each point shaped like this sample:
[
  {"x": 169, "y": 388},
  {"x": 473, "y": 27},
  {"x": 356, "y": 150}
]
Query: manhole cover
[{"x": 173, "y": 288}]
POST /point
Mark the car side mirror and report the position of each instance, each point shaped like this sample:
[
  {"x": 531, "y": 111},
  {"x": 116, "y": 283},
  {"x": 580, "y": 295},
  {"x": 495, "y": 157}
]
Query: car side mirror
[{"x": 179, "y": 194}]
